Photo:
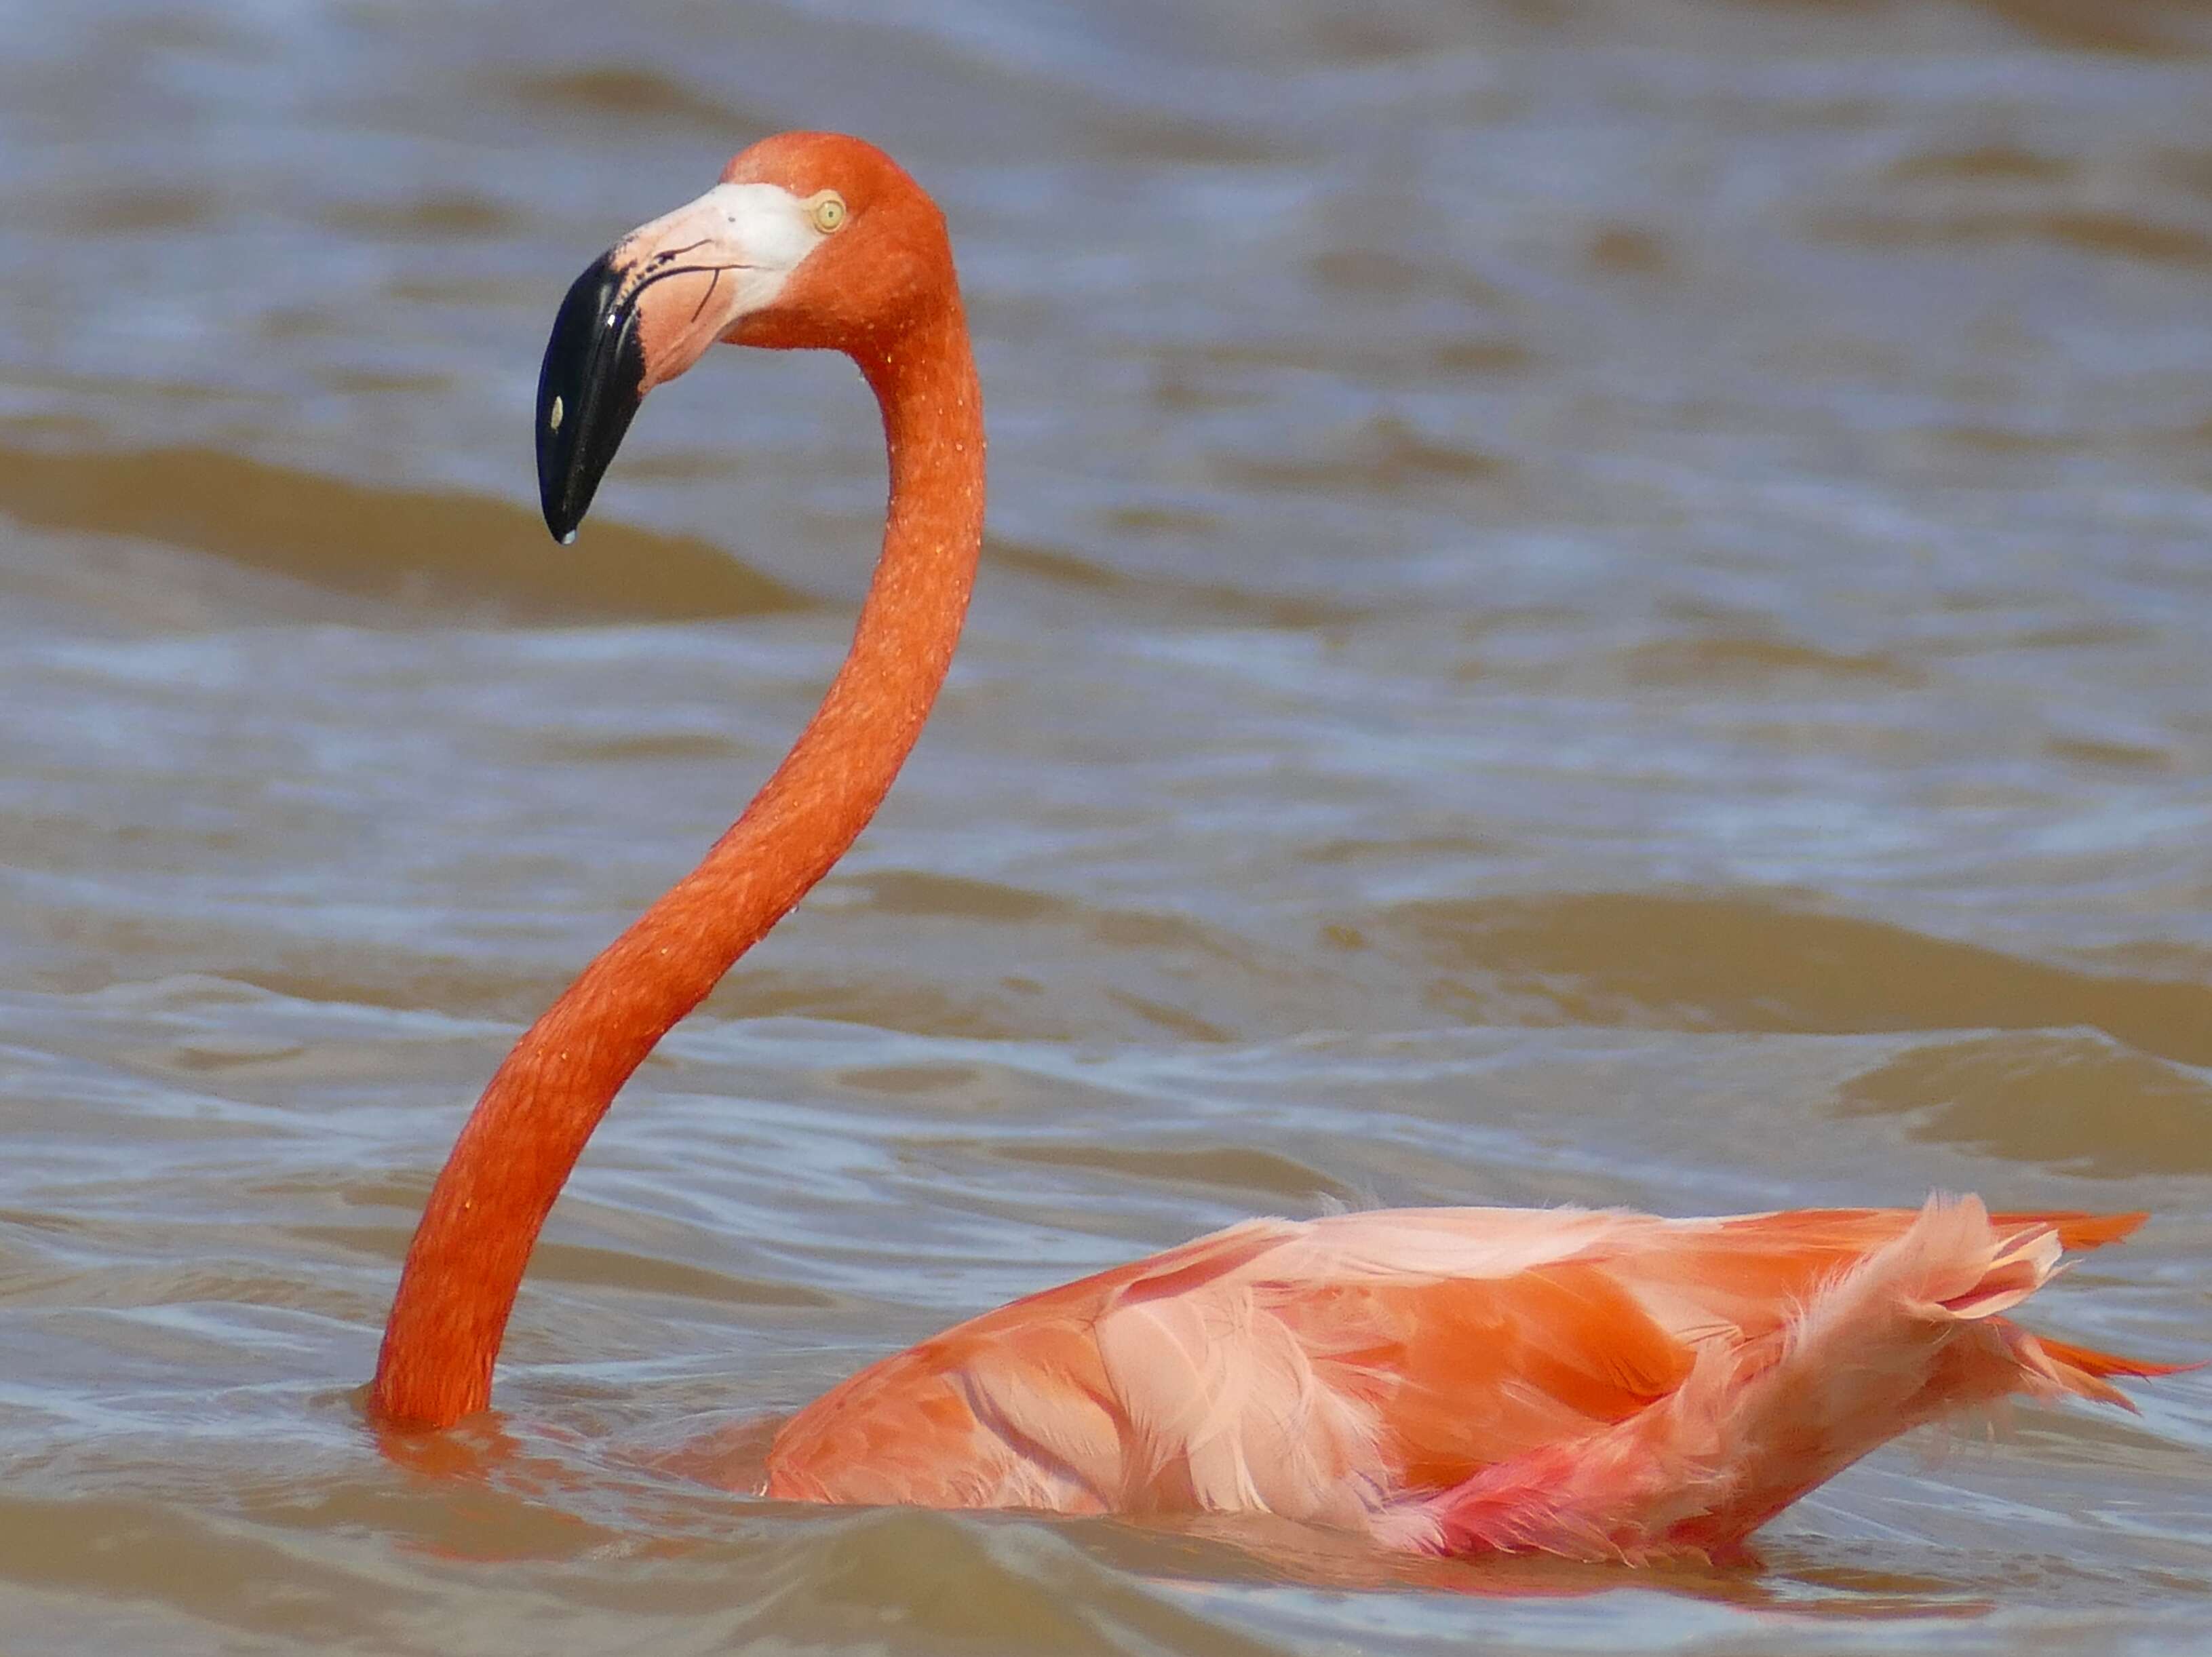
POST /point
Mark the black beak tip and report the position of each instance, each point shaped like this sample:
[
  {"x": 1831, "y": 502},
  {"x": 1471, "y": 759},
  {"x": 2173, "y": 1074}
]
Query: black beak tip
[
  {"x": 561, "y": 516},
  {"x": 588, "y": 388}
]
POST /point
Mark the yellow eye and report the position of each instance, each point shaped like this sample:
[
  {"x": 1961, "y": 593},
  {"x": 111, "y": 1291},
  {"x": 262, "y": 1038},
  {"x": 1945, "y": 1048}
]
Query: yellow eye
[{"x": 828, "y": 211}]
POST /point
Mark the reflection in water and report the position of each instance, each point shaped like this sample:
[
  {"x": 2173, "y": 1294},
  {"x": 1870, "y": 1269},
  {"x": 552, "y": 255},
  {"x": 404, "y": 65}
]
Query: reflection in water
[{"x": 1591, "y": 603}]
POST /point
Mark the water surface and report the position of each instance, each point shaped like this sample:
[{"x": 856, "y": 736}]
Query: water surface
[{"x": 1587, "y": 604}]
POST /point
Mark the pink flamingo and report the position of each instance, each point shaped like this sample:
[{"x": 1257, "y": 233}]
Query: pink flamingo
[{"x": 1602, "y": 1385}]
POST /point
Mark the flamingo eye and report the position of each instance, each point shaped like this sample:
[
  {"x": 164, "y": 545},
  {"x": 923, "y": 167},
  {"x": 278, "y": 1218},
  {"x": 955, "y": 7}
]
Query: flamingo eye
[{"x": 828, "y": 211}]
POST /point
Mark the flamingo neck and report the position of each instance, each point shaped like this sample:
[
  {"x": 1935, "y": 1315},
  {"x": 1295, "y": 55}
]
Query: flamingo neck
[{"x": 483, "y": 1214}]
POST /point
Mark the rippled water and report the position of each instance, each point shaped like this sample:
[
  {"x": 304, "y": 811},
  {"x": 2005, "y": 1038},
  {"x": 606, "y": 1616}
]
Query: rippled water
[{"x": 1588, "y": 602}]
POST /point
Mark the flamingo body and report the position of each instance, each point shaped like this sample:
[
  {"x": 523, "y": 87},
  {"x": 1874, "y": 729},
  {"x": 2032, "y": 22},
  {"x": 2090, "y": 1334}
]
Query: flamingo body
[{"x": 1597, "y": 1384}]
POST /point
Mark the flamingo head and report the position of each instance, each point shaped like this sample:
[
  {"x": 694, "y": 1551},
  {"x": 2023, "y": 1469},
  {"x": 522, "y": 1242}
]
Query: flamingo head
[{"x": 811, "y": 239}]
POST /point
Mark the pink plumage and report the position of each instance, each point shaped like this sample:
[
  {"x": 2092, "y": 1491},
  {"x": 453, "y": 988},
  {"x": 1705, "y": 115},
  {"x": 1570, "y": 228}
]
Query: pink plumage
[
  {"x": 1602, "y": 1385},
  {"x": 1598, "y": 1384}
]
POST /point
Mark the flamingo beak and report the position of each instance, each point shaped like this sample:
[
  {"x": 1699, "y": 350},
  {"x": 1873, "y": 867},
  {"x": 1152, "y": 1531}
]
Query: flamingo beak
[
  {"x": 644, "y": 311},
  {"x": 590, "y": 385}
]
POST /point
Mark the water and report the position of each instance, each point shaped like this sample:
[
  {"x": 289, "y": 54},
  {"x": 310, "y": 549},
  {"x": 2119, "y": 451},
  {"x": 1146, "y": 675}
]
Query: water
[{"x": 1587, "y": 602}]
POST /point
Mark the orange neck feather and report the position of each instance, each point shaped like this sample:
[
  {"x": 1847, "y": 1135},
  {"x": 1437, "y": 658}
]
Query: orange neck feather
[{"x": 485, "y": 1213}]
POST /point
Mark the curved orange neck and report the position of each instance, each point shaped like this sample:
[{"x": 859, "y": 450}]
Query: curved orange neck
[{"x": 485, "y": 1213}]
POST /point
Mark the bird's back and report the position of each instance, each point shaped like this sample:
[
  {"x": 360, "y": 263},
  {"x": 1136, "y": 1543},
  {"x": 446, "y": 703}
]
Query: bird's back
[{"x": 1360, "y": 1370}]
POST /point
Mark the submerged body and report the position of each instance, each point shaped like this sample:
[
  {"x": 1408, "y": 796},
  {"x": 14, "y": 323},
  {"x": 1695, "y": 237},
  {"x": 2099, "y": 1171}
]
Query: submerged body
[
  {"x": 1600, "y": 1385},
  {"x": 1604, "y": 1385}
]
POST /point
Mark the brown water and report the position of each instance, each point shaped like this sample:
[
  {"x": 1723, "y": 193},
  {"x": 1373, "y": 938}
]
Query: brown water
[{"x": 1588, "y": 602}]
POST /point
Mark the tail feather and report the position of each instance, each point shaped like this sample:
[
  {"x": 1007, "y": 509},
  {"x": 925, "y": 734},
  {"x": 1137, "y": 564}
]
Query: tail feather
[
  {"x": 1909, "y": 1334},
  {"x": 1953, "y": 1261},
  {"x": 2085, "y": 1372},
  {"x": 2075, "y": 1229},
  {"x": 2090, "y": 1362}
]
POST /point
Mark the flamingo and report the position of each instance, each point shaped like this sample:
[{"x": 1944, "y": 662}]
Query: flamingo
[{"x": 1602, "y": 1385}]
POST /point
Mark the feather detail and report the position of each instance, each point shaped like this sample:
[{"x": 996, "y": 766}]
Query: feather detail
[
  {"x": 1909, "y": 1333},
  {"x": 1592, "y": 1383}
]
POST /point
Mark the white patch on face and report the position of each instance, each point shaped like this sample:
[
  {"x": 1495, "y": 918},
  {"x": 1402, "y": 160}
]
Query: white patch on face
[
  {"x": 769, "y": 221},
  {"x": 758, "y": 233},
  {"x": 700, "y": 270}
]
